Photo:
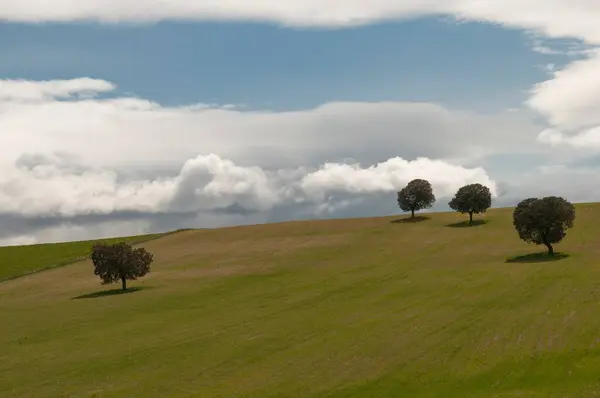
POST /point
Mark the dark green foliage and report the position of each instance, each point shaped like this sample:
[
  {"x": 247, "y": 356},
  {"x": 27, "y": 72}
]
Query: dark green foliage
[
  {"x": 416, "y": 195},
  {"x": 120, "y": 262},
  {"x": 543, "y": 221},
  {"x": 471, "y": 199}
]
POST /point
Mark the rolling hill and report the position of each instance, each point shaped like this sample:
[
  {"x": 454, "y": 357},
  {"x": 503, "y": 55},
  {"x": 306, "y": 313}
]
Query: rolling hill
[{"x": 333, "y": 308}]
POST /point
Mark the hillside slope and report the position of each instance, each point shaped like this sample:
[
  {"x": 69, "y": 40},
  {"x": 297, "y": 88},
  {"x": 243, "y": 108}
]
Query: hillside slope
[
  {"x": 16, "y": 261},
  {"x": 341, "y": 308}
]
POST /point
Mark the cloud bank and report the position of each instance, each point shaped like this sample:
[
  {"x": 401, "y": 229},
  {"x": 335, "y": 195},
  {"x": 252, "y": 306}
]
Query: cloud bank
[
  {"x": 71, "y": 157},
  {"x": 51, "y": 186},
  {"x": 37, "y": 118}
]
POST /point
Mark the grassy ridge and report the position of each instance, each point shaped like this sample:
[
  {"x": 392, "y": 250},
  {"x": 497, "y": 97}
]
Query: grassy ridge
[
  {"x": 339, "y": 308},
  {"x": 16, "y": 261}
]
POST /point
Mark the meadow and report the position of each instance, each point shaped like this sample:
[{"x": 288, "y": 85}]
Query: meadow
[{"x": 372, "y": 307}]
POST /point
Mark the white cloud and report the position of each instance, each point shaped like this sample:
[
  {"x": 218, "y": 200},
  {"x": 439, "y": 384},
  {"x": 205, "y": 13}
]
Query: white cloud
[
  {"x": 556, "y": 18},
  {"x": 207, "y": 183},
  {"x": 11, "y": 90},
  {"x": 586, "y": 141},
  {"x": 570, "y": 101},
  {"x": 47, "y": 188},
  {"x": 391, "y": 176},
  {"x": 292, "y": 12},
  {"x": 126, "y": 132},
  {"x": 571, "y": 98}
]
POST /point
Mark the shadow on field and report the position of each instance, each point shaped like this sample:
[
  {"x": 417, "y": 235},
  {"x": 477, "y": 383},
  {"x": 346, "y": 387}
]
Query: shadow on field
[
  {"x": 465, "y": 224},
  {"x": 543, "y": 257},
  {"x": 113, "y": 292},
  {"x": 409, "y": 220}
]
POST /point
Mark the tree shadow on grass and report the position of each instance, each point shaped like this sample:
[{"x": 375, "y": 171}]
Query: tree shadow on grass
[
  {"x": 465, "y": 224},
  {"x": 543, "y": 257},
  {"x": 409, "y": 220},
  {"x": 113, "y": 292}
]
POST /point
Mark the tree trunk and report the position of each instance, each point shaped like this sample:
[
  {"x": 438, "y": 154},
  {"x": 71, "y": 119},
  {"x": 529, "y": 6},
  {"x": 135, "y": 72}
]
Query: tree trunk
[
  {"x": 470, "y": 217},
  {"x": 413, "y": 213},
  {"x": 548, "y": 245},
  {"x": 124, "y": 283},
  {"x": 550, "y": 249}
]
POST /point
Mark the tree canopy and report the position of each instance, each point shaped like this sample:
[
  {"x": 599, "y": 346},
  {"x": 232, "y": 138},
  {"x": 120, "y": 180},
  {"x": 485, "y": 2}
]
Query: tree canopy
[
  {"x": 120, "y": 262},
  {"x": 543, "y": 221},
  {"x": 416, "y": 195},
  {"x": 471, "y": 199}
]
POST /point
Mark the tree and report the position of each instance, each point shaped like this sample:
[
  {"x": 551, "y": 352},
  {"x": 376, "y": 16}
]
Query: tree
[
  {"x": 472, "y": 198},
  {"x": 416, "y": 195},
  {"x": 543, "y": 221},
  {"x": 120, "y": 262}
]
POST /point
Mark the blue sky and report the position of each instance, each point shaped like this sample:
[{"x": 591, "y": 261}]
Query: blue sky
[
  {"x": 331, "y": 118},
  {"x": 473, "y": 65}
]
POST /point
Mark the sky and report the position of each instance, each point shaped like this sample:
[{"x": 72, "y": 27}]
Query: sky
[{"x": 120, "y": 118}]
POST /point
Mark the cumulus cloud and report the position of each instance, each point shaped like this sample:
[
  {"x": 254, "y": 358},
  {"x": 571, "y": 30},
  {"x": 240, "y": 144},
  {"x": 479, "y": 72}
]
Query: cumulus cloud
[
  {"x": 47, "y": 188},
  {"x": 47, "y": 199},
  {"x": 391, "y": 176}
]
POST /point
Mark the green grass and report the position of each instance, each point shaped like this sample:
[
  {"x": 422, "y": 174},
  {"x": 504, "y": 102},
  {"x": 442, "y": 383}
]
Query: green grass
[
  {"x": 16, "y": 261},
  {"x": 340, "y": 308}
]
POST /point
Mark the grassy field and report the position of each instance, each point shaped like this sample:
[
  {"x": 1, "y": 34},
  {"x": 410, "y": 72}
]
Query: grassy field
[
  {"x": 16, "y": 261},
  {"x": 341, "y": 308}
]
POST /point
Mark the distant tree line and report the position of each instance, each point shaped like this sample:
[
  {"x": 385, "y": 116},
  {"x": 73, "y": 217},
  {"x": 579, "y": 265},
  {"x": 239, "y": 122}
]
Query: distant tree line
[{"x": 542, "y": 221}]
